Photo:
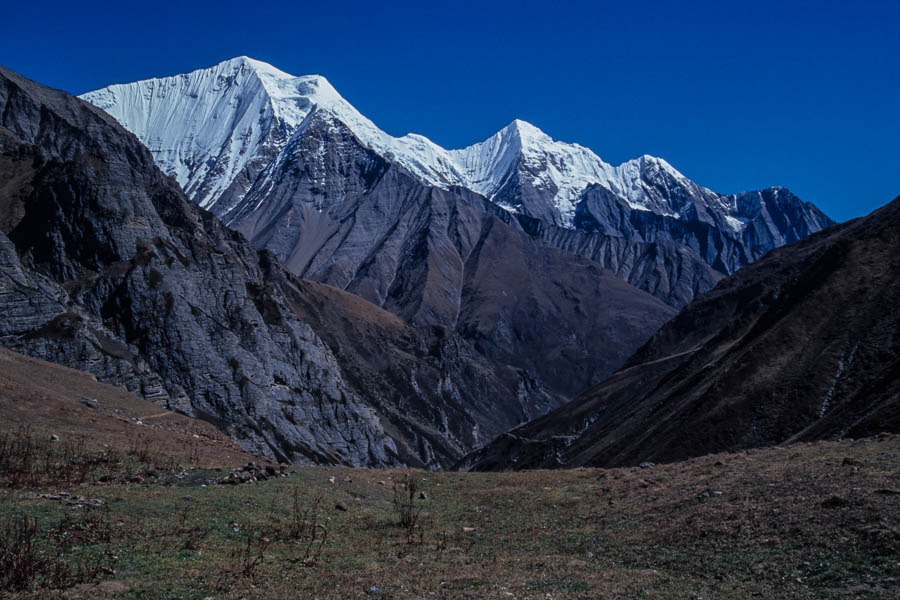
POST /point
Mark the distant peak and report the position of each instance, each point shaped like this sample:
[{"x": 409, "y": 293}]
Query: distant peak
[
  {"x": 525, "y": 132},
  {"x": 523, "y": 127},
  {"x": 258, "y": 66},
  {"x": 653, "y": 160},
  {"x": 660, "y": 163}
]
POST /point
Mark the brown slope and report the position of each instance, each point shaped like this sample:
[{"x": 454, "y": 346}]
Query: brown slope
[
  {"x": 51, "y": 399},
  {"x": 440, "y": 393},
  {"x": 800, "y": 345}
]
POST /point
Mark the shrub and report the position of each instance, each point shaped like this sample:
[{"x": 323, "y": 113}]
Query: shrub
[
  {"x": 72, "y": 552},
  {"x": 409, "y": 512},
  {"x": 303, "y": 527}
]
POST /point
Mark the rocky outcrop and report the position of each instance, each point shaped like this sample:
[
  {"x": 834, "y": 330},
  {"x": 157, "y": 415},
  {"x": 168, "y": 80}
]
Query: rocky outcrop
[{"x": 800, "y": 345}]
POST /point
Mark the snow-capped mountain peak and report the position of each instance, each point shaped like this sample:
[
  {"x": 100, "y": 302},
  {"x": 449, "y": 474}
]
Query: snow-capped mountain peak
[
  {"x": 206, "y": 127},
  {"x": 216, "y": 130}
]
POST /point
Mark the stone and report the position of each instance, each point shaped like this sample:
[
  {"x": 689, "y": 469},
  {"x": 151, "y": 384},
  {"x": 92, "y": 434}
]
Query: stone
[{"x": 834, "y": 502}]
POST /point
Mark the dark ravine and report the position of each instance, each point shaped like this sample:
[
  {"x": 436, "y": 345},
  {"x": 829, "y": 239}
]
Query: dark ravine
[
  {"x": 798, "y": 346},
  {"x": 109, "y": 268}
]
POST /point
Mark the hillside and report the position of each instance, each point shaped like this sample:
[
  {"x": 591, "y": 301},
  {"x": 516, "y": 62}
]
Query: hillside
[
  {"x": 798, "y": 346},
  {"x": 50, "y": 400}
]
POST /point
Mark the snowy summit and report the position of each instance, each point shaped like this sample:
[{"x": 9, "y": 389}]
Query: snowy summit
[{"x": 216, "y": 129}]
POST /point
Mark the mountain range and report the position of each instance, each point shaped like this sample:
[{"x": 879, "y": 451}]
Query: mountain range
[
  {"x": 279, "y": 157},
  {"x": 377, "y": 301},
  {"x": 109, "y": 268}
]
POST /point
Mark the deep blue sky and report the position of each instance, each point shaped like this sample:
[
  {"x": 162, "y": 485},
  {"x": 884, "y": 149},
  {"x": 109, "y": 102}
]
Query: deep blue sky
[{"x": 736, "y": 95}]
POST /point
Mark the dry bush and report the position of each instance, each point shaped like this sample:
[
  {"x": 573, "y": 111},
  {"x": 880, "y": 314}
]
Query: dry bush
[
  {"x": 247, "y": 557},
  {"x": 408, "y": 511},
  {"x": 146, "y": 451},
  {"x": 304, "y": 528},
  {"x": 72, "y": 552},
  {"x": 190, "y": 535}
]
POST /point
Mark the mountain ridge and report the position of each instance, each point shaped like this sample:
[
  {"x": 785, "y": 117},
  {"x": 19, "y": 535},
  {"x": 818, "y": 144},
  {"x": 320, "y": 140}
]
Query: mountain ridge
[{"x": 481, "y": 167}]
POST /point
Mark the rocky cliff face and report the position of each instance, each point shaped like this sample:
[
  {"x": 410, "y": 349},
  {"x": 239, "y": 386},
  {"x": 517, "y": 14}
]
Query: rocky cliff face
[
  {"x": 107, "y": 267},
  {"x": 800, "y": 345}
]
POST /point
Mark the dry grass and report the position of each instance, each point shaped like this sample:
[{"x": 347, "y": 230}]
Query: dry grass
[{"x": 809, "y": 521}]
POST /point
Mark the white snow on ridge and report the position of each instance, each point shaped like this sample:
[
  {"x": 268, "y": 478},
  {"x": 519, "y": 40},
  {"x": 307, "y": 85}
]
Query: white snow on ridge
[
  {"x": 200, "y": 126},
  {"x": 205, "y": 126}
]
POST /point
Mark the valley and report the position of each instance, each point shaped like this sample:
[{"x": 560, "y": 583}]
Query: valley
[{"x": 256, "y": 345}]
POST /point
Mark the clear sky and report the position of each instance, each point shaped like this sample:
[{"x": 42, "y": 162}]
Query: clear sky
[{"x": 736, "y": 95}]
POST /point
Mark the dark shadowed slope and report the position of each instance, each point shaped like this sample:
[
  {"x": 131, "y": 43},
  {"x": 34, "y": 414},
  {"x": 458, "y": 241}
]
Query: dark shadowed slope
[{"x": 800, "y": 345}]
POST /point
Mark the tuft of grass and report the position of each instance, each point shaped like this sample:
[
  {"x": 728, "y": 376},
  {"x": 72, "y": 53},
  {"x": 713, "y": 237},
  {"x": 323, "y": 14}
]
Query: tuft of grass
[{"x": 561, "y": 583}]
